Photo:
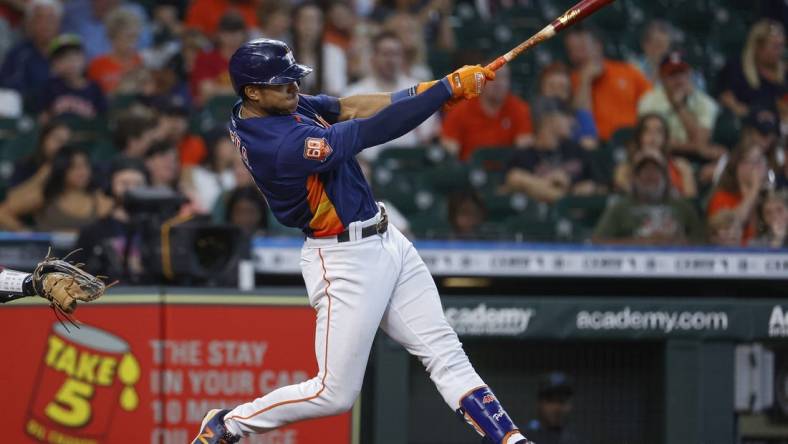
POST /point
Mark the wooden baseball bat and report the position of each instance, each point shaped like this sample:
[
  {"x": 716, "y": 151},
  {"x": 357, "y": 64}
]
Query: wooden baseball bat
[{"x": 578, "y": 12}]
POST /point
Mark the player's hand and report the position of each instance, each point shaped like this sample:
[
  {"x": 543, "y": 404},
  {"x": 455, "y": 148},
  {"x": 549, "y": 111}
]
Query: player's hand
[{"x": 468, "y": 81}]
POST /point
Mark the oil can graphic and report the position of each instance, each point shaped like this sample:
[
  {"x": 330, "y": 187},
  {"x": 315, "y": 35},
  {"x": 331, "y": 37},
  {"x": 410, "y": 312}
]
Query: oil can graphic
[{"x": 85, "y": 376}]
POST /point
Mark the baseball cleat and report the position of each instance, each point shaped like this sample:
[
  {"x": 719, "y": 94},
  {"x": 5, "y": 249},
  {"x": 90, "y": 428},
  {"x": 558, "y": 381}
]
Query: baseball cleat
[{"x": 213, "y": 430}]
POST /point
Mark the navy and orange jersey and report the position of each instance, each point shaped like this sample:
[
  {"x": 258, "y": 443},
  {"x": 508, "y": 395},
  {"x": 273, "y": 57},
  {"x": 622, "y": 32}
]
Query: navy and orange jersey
[{"x": 304, "y": 163}]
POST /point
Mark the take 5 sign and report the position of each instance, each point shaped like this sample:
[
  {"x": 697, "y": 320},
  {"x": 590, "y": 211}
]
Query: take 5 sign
[{"x": 137, "y": 372}]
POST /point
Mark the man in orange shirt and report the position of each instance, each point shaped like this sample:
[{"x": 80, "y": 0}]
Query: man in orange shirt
[
  {"x": 613, "y": 87},
  {"x": 204, "y": 15},
  {"x": 495, "y": 118}
]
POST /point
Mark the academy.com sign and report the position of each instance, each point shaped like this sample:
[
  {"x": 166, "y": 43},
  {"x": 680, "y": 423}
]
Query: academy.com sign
[
  {"x": 664, "y": 321},
  {"x": 778, "y": 323},
  {"x": 484, "y": 320}
]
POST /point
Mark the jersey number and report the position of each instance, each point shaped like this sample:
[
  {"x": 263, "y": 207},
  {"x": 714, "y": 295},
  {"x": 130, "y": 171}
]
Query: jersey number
[{"x": 316, "y": 149}]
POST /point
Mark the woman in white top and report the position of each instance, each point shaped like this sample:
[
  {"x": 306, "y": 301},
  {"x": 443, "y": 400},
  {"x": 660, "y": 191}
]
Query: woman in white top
[{"x": 204, "y": 183}]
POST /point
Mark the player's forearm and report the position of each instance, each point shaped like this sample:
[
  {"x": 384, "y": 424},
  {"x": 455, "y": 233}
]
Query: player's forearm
[
  {"x": 363, "y": 105},
  {"x": 535, "y": 187},
  {"x": 402, "y": 115}
]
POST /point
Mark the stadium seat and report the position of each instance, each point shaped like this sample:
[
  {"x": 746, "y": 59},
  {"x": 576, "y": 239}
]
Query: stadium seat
[
  {"x": 603, "y": 163},
  {"x": 216, "y": 112},
  {"x": 577, "y": 216},
  {"x": 621, "y": 138},
  {"x": 430, "y": 223},
  {"x": 502, "y": 206},
  {"x": 726, "y": 129},
  {"x": 396, "y": 158},
  {"x": 487, "y": 166},
  {"x": 536, "y": 223},
  {"x": 102, "y": 150},
  {"x": 84, "y": 131}
]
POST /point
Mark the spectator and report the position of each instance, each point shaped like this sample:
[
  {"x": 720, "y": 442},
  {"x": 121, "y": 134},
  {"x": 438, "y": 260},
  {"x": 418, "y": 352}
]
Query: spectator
[
  {"x": 210, "y": 77},
  {"x": 134, "y": 133},
  {"x": 411, "y": 34},
  {"x": 467, "y": 213},
  {"x": 173, "y": 127},
  {"x": 724, "y": 230},
  {"x": 649, "y": 215},
  {"x": 118, "y": 65},
  {"x": 88, "y": 19},
  {"x": 740, "y": 187},
  {"x": 327, "y": 59},
  {"x": 52, "y": 137},
  {"x": 495, "y": 118},
  {"x": 656, "y": 41},
  {"x": 613, "y": 88},
  {"x": 69, "y": 201},
  {"x": 759, "y": 128},
  {"x": 111, "y": 245},
  {"x": 652, "y": 134},
  {"x": 275, "y": 20},
  {"x": 247, "y": 210},
  {"x": 553, "y": 407},
  {"x": 690, "y": 113},
  {"x": 207, "y": 182},
  {"x": 772, "y": 221},
  {"x": 26, "y": 66},
  {"x": 555, "y": 166},
  {"x": 69, "y": 91},
  {"x": 163, "y": 166},
  {"x": 242, "y": 178},
  {"x": 433, "y": 17},
  {"x": 340, "y": 22},
  {"x": 388, "y": 75},
  {"x": 167, "y": 29},
  {"x": 759, "y": 76},
  {"x": 555, "y": 83},
  {"x": 204, "y": 15}
]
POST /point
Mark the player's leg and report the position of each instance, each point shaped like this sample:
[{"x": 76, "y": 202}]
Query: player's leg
[
  {"x": 415, "y": 319},
  {"x": 349, "y": 286}
]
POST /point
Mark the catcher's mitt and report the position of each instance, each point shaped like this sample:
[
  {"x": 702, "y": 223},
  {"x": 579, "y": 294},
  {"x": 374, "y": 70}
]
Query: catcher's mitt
[{"x": 63, "y": 284}]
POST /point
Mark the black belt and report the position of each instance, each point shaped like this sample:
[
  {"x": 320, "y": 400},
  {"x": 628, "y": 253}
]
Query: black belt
[{"x": 370, "y": 230}]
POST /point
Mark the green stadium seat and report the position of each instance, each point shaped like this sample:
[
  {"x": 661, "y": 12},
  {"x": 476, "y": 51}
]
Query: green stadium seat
[
  {"x": 430, "y": 223},
  {"x": 603, "y": 164},
  {"x": 216, "y": 112},
  {"x": 502, "y": 206},
  {"x": 396, "y": 158},
  {"x": 621, "y": 138},
  {"x": 84, "y": 131},
  {"x": 487, "y": 166},
  {"x": 577, "y": 216},
  {"x": 102, "y": 150},
  {"x": 726, "y": 129},
  {"x": 536, "y": 223}
]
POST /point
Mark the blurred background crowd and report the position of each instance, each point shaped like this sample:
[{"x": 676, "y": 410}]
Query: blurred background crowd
[{"x": 657, "y": 122}]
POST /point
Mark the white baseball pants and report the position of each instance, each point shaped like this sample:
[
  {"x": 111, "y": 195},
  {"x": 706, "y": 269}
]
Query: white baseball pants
[{"x": 355, "y": 287}]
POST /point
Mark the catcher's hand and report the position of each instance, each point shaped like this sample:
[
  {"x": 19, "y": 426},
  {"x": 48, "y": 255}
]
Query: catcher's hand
[{"x": 63, "y": 284}]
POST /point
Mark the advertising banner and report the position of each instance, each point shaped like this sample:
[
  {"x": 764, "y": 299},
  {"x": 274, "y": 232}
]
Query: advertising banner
[
  {"x": 617, "y": 318},
  {"x": 147, "y": 373}
]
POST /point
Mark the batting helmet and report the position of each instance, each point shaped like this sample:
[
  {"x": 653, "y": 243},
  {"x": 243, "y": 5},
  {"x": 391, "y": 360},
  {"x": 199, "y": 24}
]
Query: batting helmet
[{"x": 264, "y": 62}]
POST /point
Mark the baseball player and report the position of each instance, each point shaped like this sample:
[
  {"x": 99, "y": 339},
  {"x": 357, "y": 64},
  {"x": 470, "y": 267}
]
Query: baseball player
[{"x": 360, "y": 272}]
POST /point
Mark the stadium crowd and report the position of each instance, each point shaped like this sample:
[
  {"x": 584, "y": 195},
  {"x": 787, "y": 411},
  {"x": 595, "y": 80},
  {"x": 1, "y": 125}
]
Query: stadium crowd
[{"x": 101, "y": 96}]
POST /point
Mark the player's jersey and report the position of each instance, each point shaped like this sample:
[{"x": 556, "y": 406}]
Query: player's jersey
[{"x": 306, "y": 167}]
